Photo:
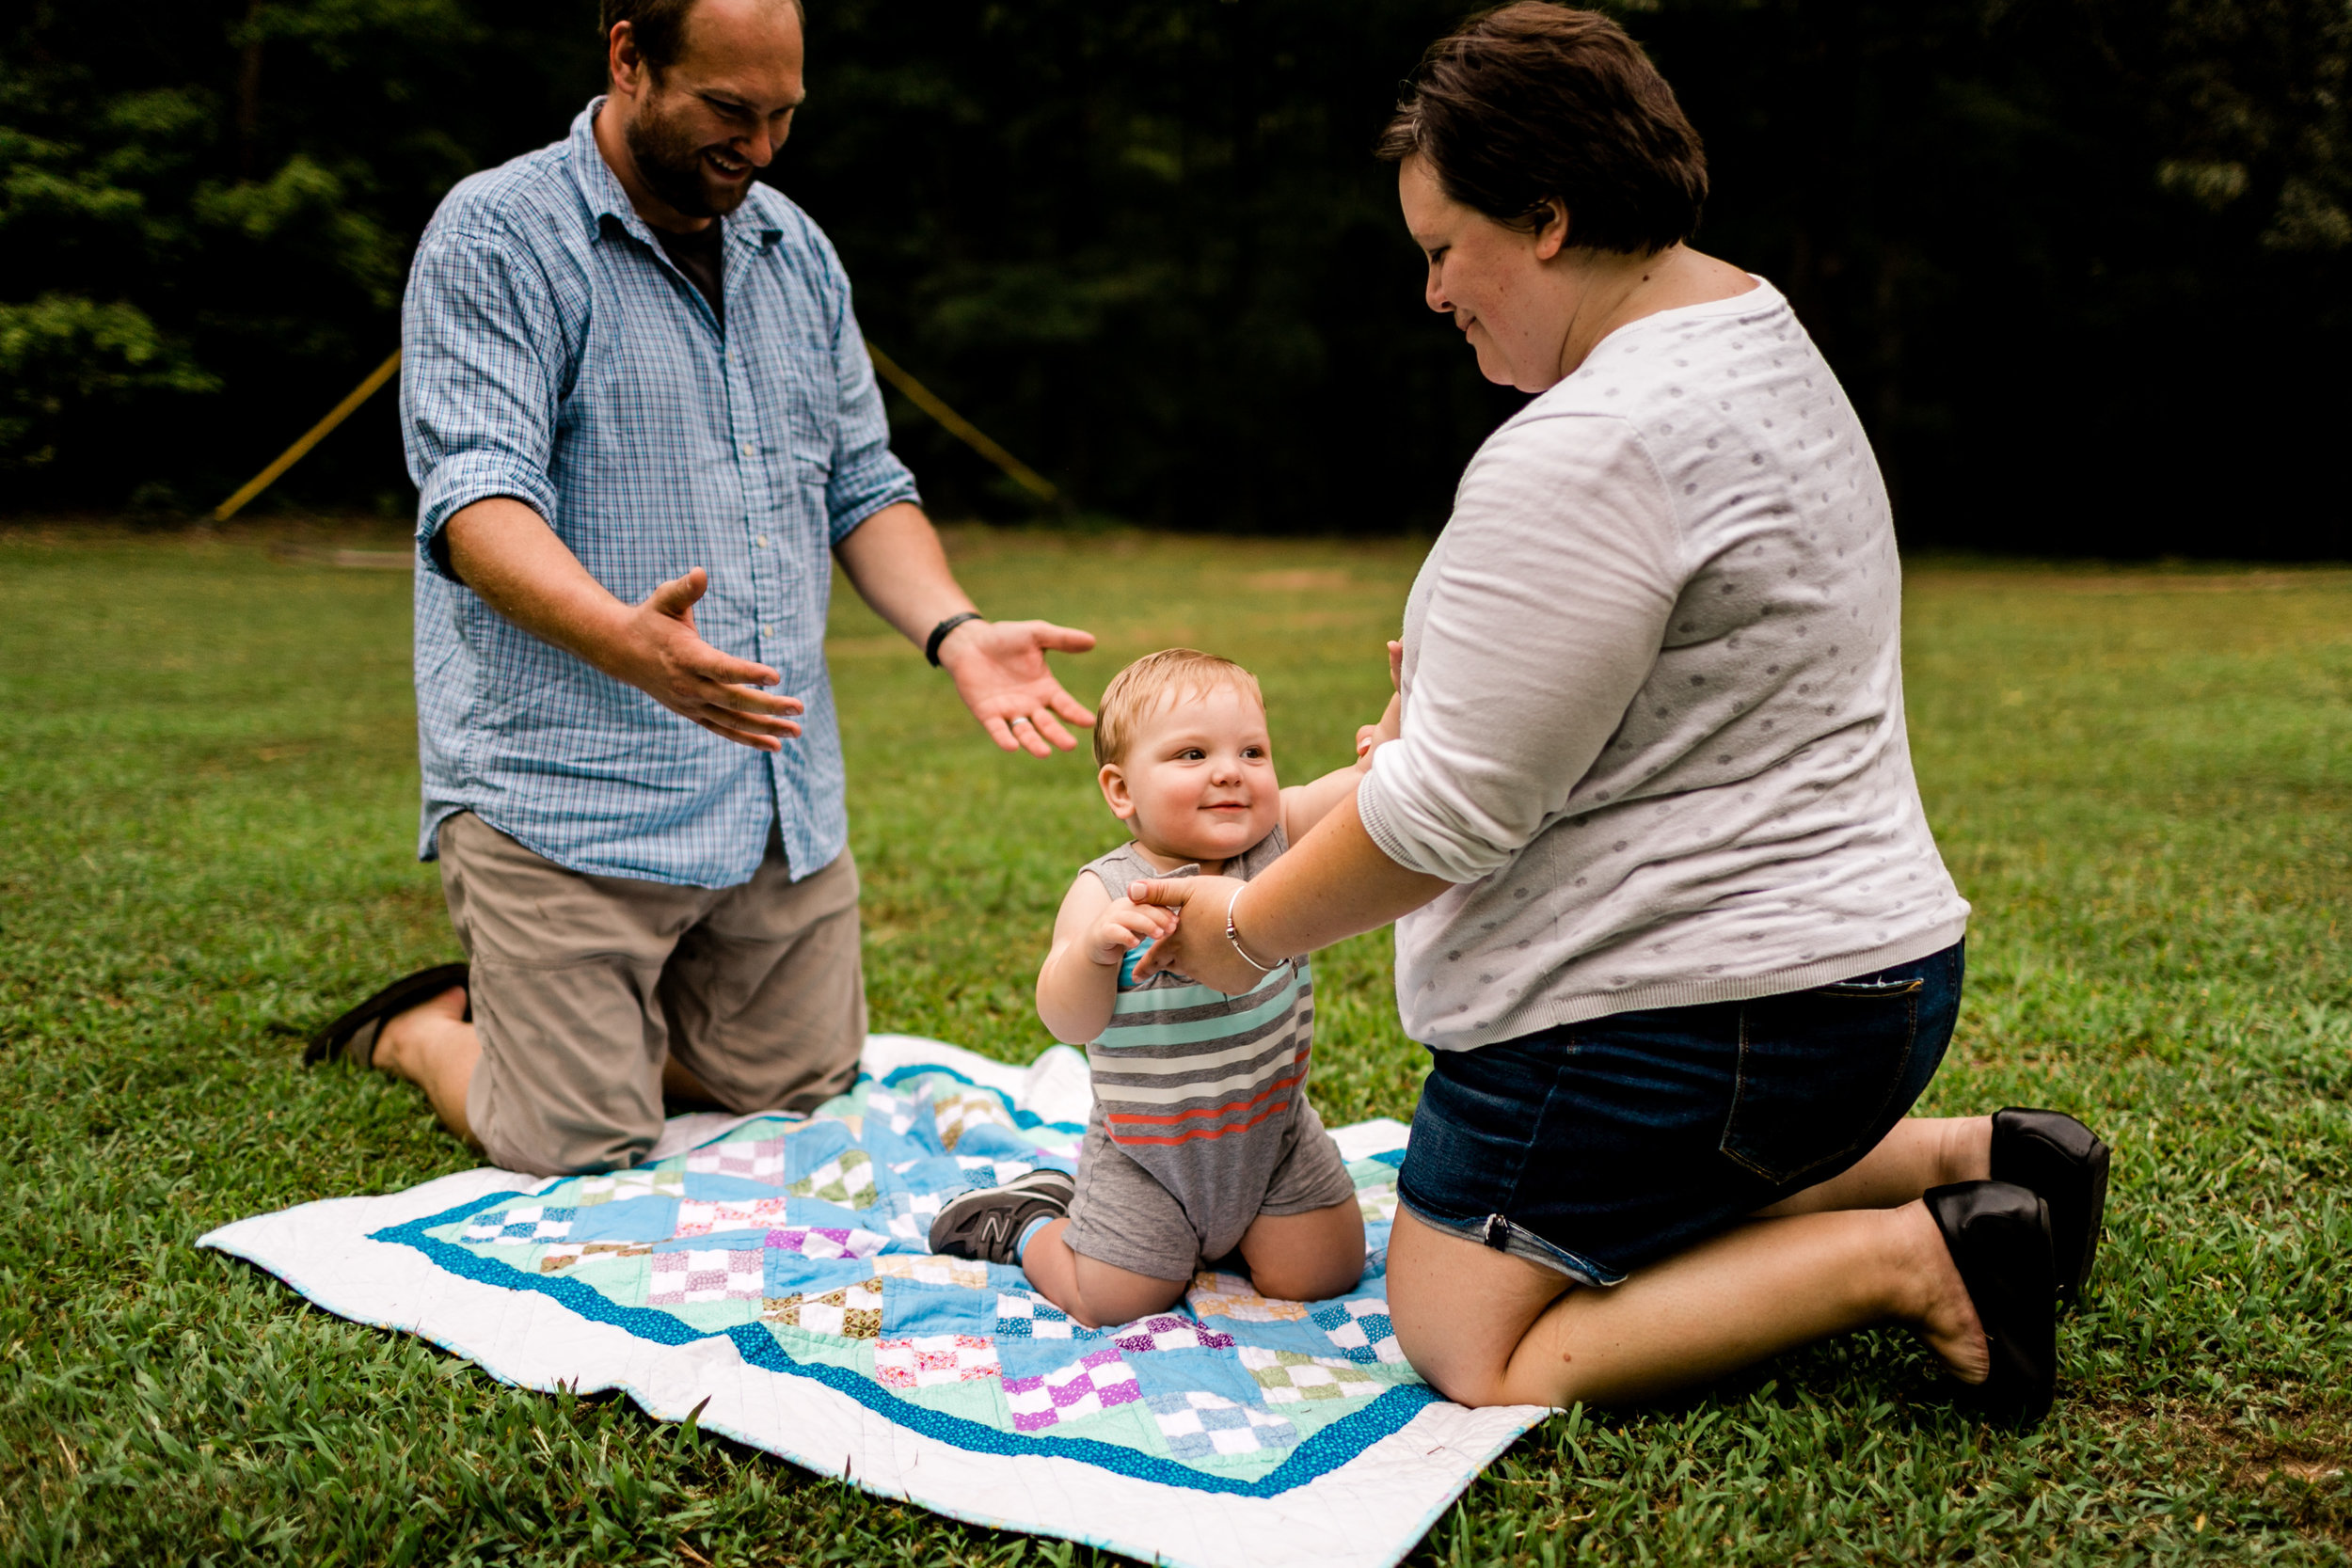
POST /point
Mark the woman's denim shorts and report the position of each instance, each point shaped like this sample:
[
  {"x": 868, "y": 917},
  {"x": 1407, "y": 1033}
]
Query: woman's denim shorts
[{"x": 1595, "y": 1148}]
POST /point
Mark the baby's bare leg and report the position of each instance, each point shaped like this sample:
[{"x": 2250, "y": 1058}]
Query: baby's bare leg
[
  {"x": 1094, "y": 1292},
  {"x": 1308, "y": 1256}
]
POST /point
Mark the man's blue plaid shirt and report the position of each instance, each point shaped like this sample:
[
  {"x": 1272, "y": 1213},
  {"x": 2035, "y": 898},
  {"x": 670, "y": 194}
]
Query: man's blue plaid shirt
[{"x": 554, "y": 353}]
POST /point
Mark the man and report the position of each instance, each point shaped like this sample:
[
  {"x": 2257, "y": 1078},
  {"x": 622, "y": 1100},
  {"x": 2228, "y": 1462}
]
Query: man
[{"x": 640, "y": 414}]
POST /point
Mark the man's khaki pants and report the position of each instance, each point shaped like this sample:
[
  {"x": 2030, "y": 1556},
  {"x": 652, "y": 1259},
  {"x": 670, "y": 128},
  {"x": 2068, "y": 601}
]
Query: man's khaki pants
[{"x": 582, "y": 985}]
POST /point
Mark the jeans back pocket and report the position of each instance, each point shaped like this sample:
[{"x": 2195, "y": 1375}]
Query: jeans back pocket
[{"x": 1817, "y": 1068}]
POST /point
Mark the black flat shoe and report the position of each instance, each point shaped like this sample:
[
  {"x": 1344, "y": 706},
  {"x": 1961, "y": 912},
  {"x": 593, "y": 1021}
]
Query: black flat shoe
[
  {"x": 352, "y": 1038},
  {"x": 1999, "y": 1236},
  {"x": 2063, "y": 1161}
]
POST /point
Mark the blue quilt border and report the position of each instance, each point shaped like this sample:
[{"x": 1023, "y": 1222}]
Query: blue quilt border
[{"x": 1315, "y": 1457}]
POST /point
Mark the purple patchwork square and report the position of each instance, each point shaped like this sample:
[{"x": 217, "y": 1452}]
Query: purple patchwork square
[{"x": 1093, "y": 1384}]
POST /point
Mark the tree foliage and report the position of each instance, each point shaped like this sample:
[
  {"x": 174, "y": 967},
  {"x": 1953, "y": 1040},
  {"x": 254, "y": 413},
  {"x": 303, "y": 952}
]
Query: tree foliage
[{"x": 2081, "y": 264}]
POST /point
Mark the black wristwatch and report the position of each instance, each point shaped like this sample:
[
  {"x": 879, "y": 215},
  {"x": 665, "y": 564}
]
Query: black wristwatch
[{"x": 939, "y": 634}]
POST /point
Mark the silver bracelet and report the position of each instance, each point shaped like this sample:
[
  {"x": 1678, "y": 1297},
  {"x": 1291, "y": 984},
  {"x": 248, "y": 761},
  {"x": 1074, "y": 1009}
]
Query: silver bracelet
[{"x": 1235, "y": 938}]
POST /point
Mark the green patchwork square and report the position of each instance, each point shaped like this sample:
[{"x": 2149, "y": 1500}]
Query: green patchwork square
[
  {"x": 847, "y": 1179},
  {"x": 1289, "y": 1377},
  {"x": 667, "y": 1179}
]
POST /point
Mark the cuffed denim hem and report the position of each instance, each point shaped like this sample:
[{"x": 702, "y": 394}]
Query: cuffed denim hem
[{"x": 1503, "y": 1236}]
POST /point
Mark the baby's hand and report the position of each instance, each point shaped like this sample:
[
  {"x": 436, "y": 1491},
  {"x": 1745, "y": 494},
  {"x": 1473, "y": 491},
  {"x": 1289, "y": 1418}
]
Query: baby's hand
[{"x": 1126, "y": 924}]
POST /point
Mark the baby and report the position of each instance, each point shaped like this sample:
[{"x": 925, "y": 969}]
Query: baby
[{"x": 1200, "y": 1139}]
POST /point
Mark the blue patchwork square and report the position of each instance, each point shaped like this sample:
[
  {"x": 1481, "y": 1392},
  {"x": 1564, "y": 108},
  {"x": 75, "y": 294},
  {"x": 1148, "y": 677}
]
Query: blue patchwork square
[
  {"x": 1023, "y": 1314},
  {"x": 714, "y": 1186},
  {"x": 1179, "y": 1372},
  {"x": 1201, "y": 1425},
  {"x": 813, "y": 1144},
  {"x": 1359, "y": 1330},
  {"x": 1291, "y": 1333},
  {"x": 930, "y": 1173},
  {"x": 911, "y": 1308},
  {"x": 522, "y": 1224},
  {"x": 628, "y": 1219},
  {"x": 790, "y": 1273}
]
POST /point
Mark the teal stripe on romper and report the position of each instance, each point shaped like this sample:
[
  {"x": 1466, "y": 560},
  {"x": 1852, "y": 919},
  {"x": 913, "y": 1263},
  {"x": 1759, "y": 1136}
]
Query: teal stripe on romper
[
  {"x": 1166, "y": 999},
  {"x": 1122, "y": 1036}
]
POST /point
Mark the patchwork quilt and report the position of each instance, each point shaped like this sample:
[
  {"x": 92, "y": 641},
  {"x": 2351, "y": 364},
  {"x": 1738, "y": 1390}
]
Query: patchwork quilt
[{"x": 773, "y": 1272}]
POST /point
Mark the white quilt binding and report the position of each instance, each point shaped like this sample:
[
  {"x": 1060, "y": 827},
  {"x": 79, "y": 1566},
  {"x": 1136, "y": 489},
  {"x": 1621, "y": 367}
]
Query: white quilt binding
[{"x": 1367, "y": 1512}]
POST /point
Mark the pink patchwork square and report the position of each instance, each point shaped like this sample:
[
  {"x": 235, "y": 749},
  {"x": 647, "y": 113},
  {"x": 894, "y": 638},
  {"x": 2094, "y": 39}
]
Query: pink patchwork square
[
  {"x": 701, "y": 1217},
  {"x": 931, "y": 1359},
  {"x": 1094, "y": 1384},
  {"x": 681, "y": 1277},
  {"x": 754, "y": 1161}
]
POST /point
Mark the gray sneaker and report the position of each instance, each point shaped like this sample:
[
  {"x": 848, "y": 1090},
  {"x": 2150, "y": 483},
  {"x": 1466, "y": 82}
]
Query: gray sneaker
[{"x": 986, "y": 1225}]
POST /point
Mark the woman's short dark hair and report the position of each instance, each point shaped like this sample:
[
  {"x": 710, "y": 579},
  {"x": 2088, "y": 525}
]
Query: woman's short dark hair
[{"x": 1532, "y": 101}]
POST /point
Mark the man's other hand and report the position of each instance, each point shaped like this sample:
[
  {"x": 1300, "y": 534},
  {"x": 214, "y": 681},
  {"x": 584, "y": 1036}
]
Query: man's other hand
[
  {"x": 662, "y": 654},
  {"x": 999, "y": 668}
]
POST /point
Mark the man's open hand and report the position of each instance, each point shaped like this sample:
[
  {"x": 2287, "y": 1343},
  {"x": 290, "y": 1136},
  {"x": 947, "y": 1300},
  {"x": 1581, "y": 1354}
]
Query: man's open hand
[
  {"x": 999, "y": 668},
  {"x": 660, "y": 653}
]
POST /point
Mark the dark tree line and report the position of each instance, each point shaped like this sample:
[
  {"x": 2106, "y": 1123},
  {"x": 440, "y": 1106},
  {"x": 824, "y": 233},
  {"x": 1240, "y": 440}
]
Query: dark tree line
[{"x": 2082, "y": 263}]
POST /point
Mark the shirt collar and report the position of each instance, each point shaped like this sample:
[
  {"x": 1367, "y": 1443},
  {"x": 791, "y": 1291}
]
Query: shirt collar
[{"x": 605, "y": 197}]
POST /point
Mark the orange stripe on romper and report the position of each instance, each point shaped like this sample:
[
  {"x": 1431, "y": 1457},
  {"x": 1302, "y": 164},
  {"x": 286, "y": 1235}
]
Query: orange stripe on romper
[
  {"x": 1210, "y": 1113},
  {"x": 1203, "y": 1132},
  {"x": 1298, "y": 1061}
]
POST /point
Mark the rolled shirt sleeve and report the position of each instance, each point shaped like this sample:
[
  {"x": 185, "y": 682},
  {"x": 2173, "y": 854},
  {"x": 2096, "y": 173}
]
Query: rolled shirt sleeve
[
  {"x": 483, "y": 357},
  {"x": 1540, "y": 615}
]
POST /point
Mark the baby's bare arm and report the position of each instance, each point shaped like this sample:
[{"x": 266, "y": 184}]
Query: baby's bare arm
[
  {"x": 1074, "y": 996},
  {"x": 1079, "y": 980},
  {"x": 1304, "y": 806}
]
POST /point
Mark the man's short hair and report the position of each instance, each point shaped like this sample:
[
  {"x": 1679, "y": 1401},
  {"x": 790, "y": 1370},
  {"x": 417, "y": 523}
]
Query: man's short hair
[
  {"x": 659, "y": 27},
  {"x": 1532, "y": 102},
  {"x": 1142, "y": 689}
]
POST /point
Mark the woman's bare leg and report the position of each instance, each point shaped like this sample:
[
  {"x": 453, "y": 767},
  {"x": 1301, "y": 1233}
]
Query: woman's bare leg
[
  {"x": 1488, "y": 1328},
  {"x": 1920, "y": 1152}
]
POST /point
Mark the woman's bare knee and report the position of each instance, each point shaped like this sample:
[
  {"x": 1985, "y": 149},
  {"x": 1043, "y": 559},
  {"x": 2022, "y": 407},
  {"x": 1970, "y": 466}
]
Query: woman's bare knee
[
  {"x": 1462, "y": 1373},
  {"x": 1461, "y": 1311}
]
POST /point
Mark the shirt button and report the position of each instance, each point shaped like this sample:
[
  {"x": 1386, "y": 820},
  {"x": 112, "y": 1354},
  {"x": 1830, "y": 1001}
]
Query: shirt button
[
  {"x": 747, "y": 450},
  {"x": 767, "y": 629},
  {"x": 760, "y": 540}
]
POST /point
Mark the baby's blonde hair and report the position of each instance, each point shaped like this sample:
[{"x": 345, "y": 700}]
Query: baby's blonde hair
[{"x": 1138, "y": 692}]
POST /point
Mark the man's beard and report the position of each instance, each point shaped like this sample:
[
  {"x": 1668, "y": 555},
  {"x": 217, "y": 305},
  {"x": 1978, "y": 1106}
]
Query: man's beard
[{"x": 671, "y": 164}]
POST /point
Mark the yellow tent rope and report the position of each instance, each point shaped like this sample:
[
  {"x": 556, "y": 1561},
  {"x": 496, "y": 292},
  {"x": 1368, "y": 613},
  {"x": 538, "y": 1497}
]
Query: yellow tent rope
[
  {"x": 962, "y": 429},
  {"x": 916, "y": 393},
  {"x": 310, "y": 437}
]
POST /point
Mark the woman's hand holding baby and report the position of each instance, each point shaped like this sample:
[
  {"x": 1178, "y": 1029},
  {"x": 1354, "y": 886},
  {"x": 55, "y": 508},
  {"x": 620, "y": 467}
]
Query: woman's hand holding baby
[
  {"x": 1123, "y": 926},
  {"x": 1200, "y": 947}
]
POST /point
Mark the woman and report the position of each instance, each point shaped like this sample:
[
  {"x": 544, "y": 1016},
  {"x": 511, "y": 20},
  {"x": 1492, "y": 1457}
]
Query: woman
[{"x": 1669, "y": 914}]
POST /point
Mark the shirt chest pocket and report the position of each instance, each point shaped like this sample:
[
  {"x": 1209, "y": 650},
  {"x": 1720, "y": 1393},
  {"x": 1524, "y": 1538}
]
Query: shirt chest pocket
[{"x": 795, "y": 380}]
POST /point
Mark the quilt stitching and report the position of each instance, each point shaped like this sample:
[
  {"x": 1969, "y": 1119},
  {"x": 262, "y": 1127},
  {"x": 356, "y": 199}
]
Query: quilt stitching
[
  {"x": 1093, "y": 1384},
  {"x": 782, "y": 1259}
]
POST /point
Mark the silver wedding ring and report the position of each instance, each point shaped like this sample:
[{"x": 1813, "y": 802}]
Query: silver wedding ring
[{"x": 1019, "y": 719}]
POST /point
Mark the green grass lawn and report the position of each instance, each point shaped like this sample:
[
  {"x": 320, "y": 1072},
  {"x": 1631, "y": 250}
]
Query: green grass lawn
[{"x": 207, "y": 806}]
